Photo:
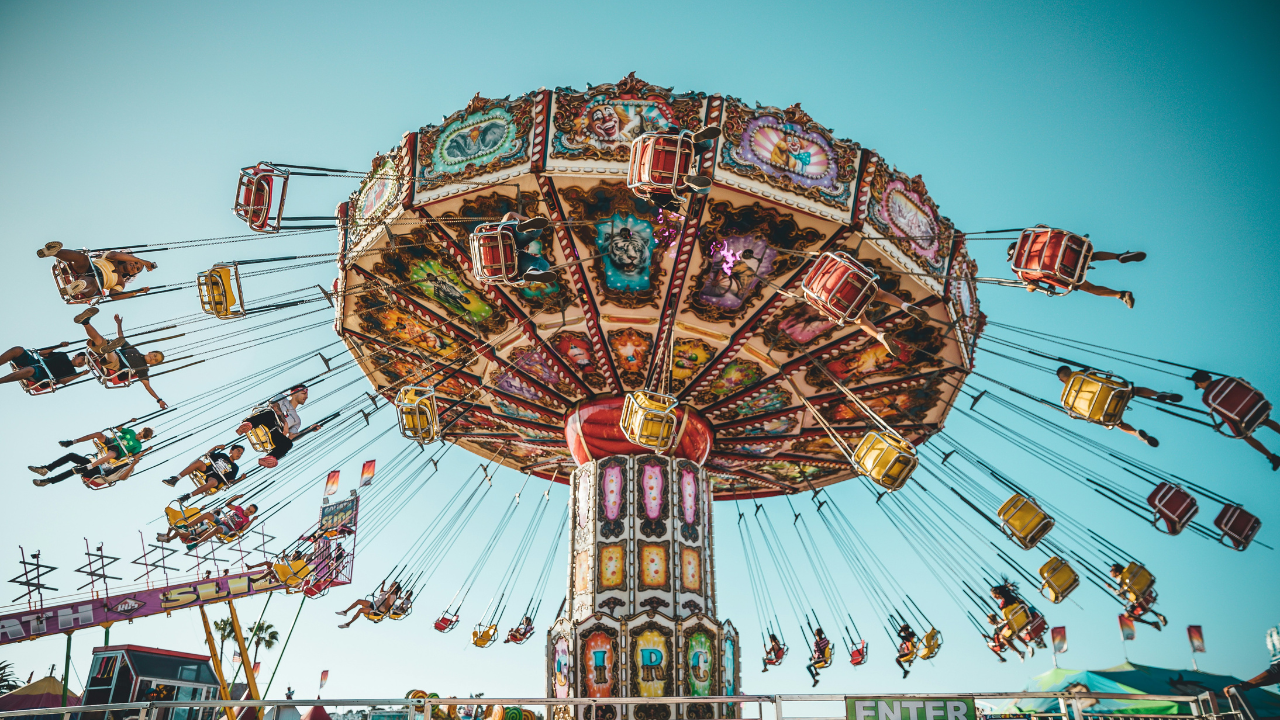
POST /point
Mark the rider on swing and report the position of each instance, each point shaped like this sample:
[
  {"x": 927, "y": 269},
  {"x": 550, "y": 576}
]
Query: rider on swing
[
  {"x": 1136, "y": 608},
  {"x": 906, "y": 649},
  {"x": 819, "y": 659},
  {"x": 521, "y": 632},
  {"x": 383, "y": 602},
  {"x": 774, "y": 653}
]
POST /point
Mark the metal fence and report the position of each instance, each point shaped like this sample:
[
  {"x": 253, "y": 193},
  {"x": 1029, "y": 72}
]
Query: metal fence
[{"x": 1071, "y": 706}]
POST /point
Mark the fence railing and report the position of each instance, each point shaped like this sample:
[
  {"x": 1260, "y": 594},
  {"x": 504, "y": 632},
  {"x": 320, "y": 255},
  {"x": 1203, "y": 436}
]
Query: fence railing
[{"x": 1071, "y": 706}]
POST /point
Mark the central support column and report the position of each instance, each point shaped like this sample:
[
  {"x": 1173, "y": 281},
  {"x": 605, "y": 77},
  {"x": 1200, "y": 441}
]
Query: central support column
[{"x": 641, "y": 618}]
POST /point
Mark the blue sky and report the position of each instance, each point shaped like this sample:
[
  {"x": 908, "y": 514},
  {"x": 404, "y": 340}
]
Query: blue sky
[{"x": 1149, "y": 125}]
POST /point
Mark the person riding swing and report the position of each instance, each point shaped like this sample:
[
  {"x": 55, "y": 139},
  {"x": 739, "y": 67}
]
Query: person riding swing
[
  {"x": 229, "y": 522},
  {"x": 219, "y": 469},
  {"x": 119, "y": 357},
  {"x": 1064, "y": 374},
  {"x": 1255, "y": 406},
  {"x": 97, "y": 274},
  {"x": 384, "y": 600},
  {"x": 121, "y": 445},
  {"x": 279, "y": 419},
  {"x": 43, "y": 370},
  {"x": 1138, "y": 605},
  {"x": 820, "y": 658},
  {"x": 906, "y": 649},
  {"x": 774, "y": 653},
  {"x": 521, "y": 632}
]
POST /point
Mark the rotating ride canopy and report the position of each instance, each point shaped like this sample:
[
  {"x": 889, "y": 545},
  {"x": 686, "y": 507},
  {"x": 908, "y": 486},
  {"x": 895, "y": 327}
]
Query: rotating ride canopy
[
  {"x": 703, "y": 304},
  {"x": 716, "y": 288}
]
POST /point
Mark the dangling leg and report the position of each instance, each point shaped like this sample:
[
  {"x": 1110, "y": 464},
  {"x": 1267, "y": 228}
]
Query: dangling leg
[
  {"x": 1256, "y": 445},
  {"x": 869, "y": 328},
  {"x": 19, "y": 374},
  {"x": 1140, "y": 434},
  {"x": 1123, "y": 295},
  {"x": 1124, "y": 257},
  {"x": 363, "y": 611},
  {"x": 1157, "y": 396}
]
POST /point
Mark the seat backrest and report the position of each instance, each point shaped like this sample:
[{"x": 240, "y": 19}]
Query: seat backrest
[
  {"x": 1017, "y": 616},
  {"x": 1136, "y": 580},
  {"x": 1238, "y": 526}
]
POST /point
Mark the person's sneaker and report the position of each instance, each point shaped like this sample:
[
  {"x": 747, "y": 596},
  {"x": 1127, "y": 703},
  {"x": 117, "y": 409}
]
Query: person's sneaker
[
  {"x": 538, "y": 223},
  {"x": 539, "y": 276},
  {"x": 171, "y": 482},
  {"x": 184, "y": 497},
  {"x": 113, "y": 345},
  {"x": 699, "y": 182},
  {"x": 49, "y": 250},
  {"x": 1126, "y": 297},
  {"x": 161, "y": 537},
  {"x": 710, "y": 132},
  {"x": 1157, "y": 626},
  {"x": 84, "y": 315},
  {"x": 1128, "y": 257},
  {"x": 1148, "y": 439},
  {"x": 42, "y": 471},
  {"x": 39, "y": 482},
  {"x": 1275, "y": 462},
  {"x": 75, "y": 288},
  {"x": 66, "y": 443},
  {"x": 889, "y": 344},
  {"x": 916, "y": 312},
  {"x": 1168, "y": 397},
  {"x": 244, "y": 428}
]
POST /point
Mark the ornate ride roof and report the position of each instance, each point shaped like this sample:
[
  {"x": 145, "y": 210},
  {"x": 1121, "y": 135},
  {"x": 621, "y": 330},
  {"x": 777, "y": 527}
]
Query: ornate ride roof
[{"x": 781, "y": 182}]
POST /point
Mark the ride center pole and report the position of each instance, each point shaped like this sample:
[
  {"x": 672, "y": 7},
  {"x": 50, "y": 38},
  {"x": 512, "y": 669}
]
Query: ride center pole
[
  {"x": 217, "y": 664},
  {"x": 244, "y": 656},
  {"x": 66, "y": 668}
]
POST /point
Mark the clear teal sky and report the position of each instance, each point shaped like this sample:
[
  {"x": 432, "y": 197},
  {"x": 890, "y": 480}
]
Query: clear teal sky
[{"x": 1149, "y": 125}]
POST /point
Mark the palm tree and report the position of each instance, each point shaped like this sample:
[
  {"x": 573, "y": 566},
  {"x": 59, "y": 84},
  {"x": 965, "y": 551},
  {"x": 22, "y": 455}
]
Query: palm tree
[
  {"x": 226, "y": 631},
  {"x": 263, "y": 635},
  {"x": 8, "y": 681}
]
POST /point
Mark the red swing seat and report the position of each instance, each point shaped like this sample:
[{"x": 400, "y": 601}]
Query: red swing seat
[
  {"x": 1174, "y": 506},
  {"x": 36, "y": 387},
  {"x": 658, "y": 163},
  {"x": 63, "y": 276},
  {"x": 494, "y": 253},
  {"x": 1238, "y": 526},
  {"x": 858, "y": 655},
  {"x": 771, "y": 658},
  {"x": 446, "y": 622},
  {"x": 1237, "y": 406},
  {"x": 1035, "y": 629},
  {"x": 110, "y": 379},
  {"x": 1052, "y": 257},
  {"x": 839, "y": 286},
  {"x": 256, "y": 196}
]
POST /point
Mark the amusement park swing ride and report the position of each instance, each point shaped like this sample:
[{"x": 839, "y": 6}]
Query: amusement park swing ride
[{"x": 663, "y": 300}]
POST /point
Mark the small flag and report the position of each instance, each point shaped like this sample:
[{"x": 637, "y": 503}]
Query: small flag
[
  {"x": 366, "y": 473},
  {"x": 1196, "y": 636},
  {"x": 235, "y": 657},
  {"x": 331, "y": 483},
  {"x": 256, "y": 667},
  {"x": 1059, "y": 635},
  {"x": 1126, "y": 627},
  {"x": 324, "y": 678}
]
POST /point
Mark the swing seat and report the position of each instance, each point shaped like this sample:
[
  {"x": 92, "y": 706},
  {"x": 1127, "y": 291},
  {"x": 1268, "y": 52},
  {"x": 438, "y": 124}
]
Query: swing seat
[
  {"x": 519, "y": 635},
  {"x": 825, "y": 660},
  {"x": 98, "y": 483},
  {"x": 483, "y": 636},
  {"x": 1237, "y": 407},
  {"x": 1174, "y": 506},
  {"x": 108, "y": 378},
  {"x": 1017, "y": 616},
  {"x": 649, "y": 419},
  {"x": 180, "y": 516},
  {"x": 36, "y": 387},
  {"x": 1137, "y": 583},
  {"x": 1034, "y": 629},
  {"x": 1052, "y": 257},
  {"x": 1059, "y": 580},
  {"x": 317, "y": 587},
  {"x": 258, "y": 193},
  {"x": 930, "y": 644},
  {"x": 220, "y": 292},
  {"x": 907, "y": 651},
  {"x": 659, "y": 162},
  {"x": 446, "y": 622},
  {"x": 1238, "y": 526},
  {"x": 1023, "y": 522},
  {"x": 293, "y": 574},
  {"x": 399, "y": 614},
  {"x": 771, "y": 659},
  {"x": 858, "y": 656},
  {"x": 886, "y": 458},
  {"x": 259, "y": 436},
  {"x": 375, "y": 616},
  {"x": 1098, "y": 397},
  {"x": 839, "y": 286},
  {"x": 494, "y": 254},
  {"x": 63, "y": 276},
  {"x": 417, "y": 413}
]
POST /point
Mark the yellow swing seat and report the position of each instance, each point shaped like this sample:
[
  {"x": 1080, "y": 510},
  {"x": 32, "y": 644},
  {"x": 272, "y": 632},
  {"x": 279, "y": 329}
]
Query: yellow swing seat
[
  {"x": 1022, "y": 520},
  {"x": 417, "y": 413},
  {"x": 1137, "y": 582},
  {"x": 886, "y": 458},
  {"x": 293, "y": 574},
  {"x": 649, "y": 419},
  {"x": 259, "y": 436},
  {"x": 1059, "y": 579},
  {"x": 1097, "y": 397},
  {"x": 1016, "y": 618},
  {"x": 484, "y": 638},
  {"x": 220, "y": 293},
  {"x": 930, "y": 644},
  {"x": 826, "y": 658}
]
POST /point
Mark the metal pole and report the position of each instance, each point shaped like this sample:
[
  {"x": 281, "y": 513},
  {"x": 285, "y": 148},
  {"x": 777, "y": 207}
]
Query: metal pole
[
  {"x": 66, "y": 668},
  {"x": 244, "y": 657},
  {"x": 106, "y": 638},
  {"x": 217, "y": 663}
]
